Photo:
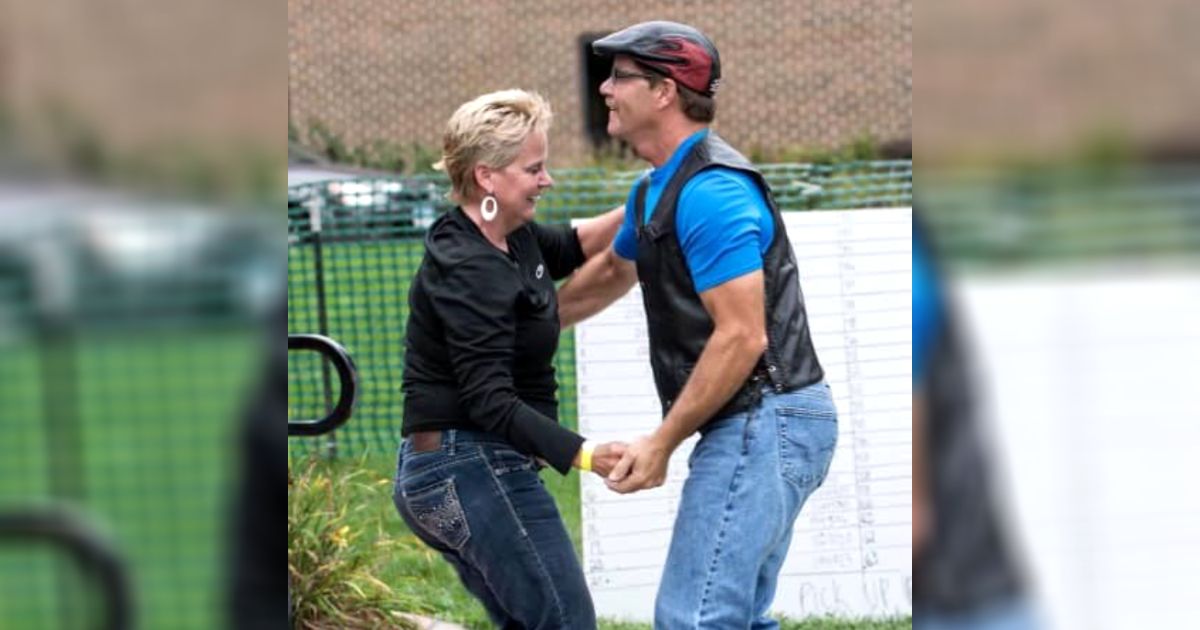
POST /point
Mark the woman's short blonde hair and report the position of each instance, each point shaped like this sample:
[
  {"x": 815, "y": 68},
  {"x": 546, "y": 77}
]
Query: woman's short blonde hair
[{"x": 489, "y": 130}]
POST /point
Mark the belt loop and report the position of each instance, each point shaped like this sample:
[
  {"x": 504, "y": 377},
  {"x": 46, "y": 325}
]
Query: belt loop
[{"x": 451, "y": 434}]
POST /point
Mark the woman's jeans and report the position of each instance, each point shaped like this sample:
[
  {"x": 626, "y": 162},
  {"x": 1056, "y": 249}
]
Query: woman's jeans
[
  {"x": 482, "y": 505},
  {"x": 748, "y": 477}
]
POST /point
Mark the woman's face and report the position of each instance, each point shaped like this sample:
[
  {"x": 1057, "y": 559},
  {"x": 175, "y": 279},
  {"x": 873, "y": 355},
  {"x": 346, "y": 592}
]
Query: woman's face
[{"x": 518, "y": 185}]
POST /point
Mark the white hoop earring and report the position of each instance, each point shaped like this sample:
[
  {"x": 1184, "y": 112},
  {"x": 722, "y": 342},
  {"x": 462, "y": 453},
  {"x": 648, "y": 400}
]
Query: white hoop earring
[{"x": 489, "y": 213}]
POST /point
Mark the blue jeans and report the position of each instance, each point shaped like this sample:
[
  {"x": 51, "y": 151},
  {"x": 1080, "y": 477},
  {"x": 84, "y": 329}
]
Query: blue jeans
[
  {"x": 748, "y": 477},
  {"x": 482, "y": 505}
]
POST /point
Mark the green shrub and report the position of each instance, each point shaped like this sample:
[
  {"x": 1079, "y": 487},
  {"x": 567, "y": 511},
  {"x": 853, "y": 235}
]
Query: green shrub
[{"x": 331, "y": 563}]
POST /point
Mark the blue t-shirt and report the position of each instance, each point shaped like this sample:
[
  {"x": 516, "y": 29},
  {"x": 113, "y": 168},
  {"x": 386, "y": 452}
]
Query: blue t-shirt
[
  {"x": 926, "y": 306},
  {"x": 722, "y": 220}
]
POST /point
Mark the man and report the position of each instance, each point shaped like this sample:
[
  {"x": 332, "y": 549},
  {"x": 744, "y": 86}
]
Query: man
[
  {"x": 729, "y": 340},
  {"x": 964, "y": 575}
]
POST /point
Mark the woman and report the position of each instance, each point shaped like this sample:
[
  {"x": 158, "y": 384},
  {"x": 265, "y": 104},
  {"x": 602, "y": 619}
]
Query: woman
[{"x": 479, "y": 408}]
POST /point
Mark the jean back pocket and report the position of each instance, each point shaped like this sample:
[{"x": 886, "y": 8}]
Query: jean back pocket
[
  {"x": 440, "y": 513},
  {"x": 807, "y": 439}
]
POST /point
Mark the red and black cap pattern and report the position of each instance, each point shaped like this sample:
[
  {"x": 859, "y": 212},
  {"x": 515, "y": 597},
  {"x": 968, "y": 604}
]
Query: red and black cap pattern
[{"x": 676, "y": 50}]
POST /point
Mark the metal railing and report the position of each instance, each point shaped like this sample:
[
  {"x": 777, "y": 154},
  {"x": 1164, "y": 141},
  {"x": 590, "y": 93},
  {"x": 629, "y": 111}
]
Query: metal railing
[
  {"x": 91, "y": 552},
  {"x": 347, "y": 380}
]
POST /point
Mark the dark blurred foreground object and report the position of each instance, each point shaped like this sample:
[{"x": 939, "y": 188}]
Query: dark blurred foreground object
[
  {"x": 95, "y": 557},
  {"x": 964, "y": 573},
  {"x": 255, "y": 597}
]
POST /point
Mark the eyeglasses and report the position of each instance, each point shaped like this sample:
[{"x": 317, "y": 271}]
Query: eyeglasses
[{"x": 621, "y": 75}]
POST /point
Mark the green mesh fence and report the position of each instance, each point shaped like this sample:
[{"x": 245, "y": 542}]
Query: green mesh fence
[
  {"x": 130, "y": 337},
  {"x": 1067, "y": 215},
  {"x": 51, "y": 593},
  {"x": 354, "y": 245}
]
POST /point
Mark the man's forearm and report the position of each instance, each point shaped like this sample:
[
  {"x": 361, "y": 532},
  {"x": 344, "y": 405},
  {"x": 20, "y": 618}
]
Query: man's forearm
[
  {"x": 593, "y": 287},
  {"x": 921, "y": 491},
  {"x": 596, "y": 234},
  {"x": 920, "y": 481},
  {"x": 724, "y": 365}
]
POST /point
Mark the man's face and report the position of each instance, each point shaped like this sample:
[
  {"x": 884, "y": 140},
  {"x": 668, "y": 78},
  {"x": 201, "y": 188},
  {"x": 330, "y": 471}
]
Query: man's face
[{"x": 629, "y": 96}]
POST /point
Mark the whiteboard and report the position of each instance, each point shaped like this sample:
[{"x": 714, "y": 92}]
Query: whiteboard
[
  {"x": 1090, "y": 381},
  {"x": 851, "y": 554}
]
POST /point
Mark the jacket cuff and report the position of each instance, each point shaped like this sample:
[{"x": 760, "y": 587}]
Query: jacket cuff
[{"x": 547, "y": 439}]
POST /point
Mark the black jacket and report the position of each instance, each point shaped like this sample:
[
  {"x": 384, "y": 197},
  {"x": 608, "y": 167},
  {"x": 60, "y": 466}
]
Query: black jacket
[
  {"x": 482, "y": 333},
  {"x": 680, "y": 326}
]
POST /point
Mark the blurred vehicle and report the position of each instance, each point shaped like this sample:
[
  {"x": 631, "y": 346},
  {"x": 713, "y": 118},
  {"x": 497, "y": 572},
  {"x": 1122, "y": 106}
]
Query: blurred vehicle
[
  {"x": 106, "y": 258},
  {"x": 306, "y": 166},
  {"x": 348, "y": 202}
]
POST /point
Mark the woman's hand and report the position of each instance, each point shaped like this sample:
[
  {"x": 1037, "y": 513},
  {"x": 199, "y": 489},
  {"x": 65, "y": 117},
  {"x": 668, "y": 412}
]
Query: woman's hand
[{"x": 606, "y": 457}]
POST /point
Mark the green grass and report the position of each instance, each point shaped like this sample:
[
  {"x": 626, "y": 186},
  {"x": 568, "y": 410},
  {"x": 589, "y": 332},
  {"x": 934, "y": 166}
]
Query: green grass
[
  {"x": 418, "y": 577},
  {"x": 415, "y": 573}
]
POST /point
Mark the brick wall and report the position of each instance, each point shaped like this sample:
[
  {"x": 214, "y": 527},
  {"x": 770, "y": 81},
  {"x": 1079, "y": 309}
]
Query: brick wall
[
  {"x": 796, "y": 73},
  {"x": 146, "y": 72},
  {"x": 1041, "y": 76}
]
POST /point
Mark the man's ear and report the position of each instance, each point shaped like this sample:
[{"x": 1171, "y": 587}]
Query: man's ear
[{"x": 666, "y": 93}]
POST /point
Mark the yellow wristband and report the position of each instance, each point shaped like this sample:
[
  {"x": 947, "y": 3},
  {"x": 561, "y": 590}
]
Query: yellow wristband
[{"x": 585, "y": 456}]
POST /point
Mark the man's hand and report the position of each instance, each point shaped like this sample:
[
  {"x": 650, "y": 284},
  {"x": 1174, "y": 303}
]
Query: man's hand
[
  {"x": 606, "y": 457},
  {"x": 643, "y": 466}
]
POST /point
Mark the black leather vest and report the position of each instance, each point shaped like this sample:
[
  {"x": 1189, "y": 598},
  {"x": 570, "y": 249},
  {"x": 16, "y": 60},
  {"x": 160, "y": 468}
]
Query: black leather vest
[
  {"x": 967, "y": 564},
  {"x": 679, "y": 326}
]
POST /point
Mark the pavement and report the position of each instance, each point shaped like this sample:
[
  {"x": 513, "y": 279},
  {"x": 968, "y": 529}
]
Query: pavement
[{"x": 427, "y": 623}]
